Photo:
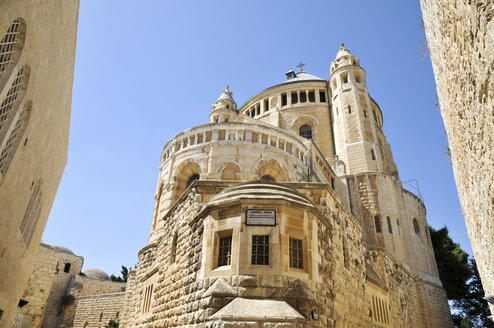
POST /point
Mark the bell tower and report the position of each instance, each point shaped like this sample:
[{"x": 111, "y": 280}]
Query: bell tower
[{"x": 357, "y": 119}]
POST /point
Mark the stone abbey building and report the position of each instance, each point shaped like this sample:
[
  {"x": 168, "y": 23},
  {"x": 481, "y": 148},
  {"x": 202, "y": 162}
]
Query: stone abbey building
[{"x": 287, "y": 212}]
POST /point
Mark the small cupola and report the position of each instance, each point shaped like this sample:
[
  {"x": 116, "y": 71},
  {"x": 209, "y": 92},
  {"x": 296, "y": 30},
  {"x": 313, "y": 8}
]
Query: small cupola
[
  {"x": 225, "y": 108},
  {"x": 343, "y": 58}
]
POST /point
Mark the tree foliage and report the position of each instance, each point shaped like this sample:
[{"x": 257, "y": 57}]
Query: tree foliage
[
  {"x": 461, "y": 281},
  {"x": 112, "y": 324},
  {"x": 123, "y": 277},
  {"x": 452, "y": 264},
  {"x": 474, "y": 310}
]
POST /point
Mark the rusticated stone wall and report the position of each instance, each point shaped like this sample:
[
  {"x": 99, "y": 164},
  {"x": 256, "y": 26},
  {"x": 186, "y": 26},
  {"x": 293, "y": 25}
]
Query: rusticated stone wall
[
  {"x": 80, "y": 287},
  {"x": 96, "y": 311},
  {"x": 460, "y": 35},
  {"x": 331, "y": 293}
]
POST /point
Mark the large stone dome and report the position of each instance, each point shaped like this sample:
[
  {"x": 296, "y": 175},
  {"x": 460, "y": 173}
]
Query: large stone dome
[{"x": 96, "y": 274}]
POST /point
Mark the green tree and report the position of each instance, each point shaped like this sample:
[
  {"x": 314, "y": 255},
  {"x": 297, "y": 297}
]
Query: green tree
[
  {"x": 452, "y": 264},
  {"x": 474, "y": 311},
  {"x": 112, "y": 324},
  {"x": 123, "y": 277}
]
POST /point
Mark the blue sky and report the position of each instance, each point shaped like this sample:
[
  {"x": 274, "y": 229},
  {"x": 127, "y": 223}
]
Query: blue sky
[{"x": 146, "y": 70}]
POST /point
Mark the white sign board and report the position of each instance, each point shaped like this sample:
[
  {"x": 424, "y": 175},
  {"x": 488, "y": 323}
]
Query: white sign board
[{"x": 260, "y": 217}]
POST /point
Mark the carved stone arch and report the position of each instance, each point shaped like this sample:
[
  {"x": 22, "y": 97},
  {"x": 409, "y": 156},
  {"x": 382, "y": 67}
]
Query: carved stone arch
[
  {"x": 229, "y": 170},
  {"x": 183, "y": 173},
  {"x": 271, "y": 168},
  {"x": 306, "y": 120}
]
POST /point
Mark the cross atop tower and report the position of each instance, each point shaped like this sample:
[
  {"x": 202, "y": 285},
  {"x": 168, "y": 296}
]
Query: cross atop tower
[{"x": 301, "y": 65}]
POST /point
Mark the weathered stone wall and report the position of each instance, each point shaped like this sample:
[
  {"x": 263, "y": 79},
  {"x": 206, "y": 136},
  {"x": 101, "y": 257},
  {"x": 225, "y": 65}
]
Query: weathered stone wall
[
  {"x": 41, "y": 154},
  {"x": 80, "y": 286},
  {"x": 47, "y": 284},
  {"x": 186, "y": 293},
  {"x": 460, "y": 35},
  {"x": 97, "y": 310},
  {"x": 39, "y": 285}
]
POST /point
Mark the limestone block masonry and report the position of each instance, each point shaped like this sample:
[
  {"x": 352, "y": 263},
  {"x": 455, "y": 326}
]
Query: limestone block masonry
[
  {"x": 287, "y": 211},
  {"x": 460, "y": 35},
  {"x": 98, "y": 310},
  {"x": 37, "y": 51}
]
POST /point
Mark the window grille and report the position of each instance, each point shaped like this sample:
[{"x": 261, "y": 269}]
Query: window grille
[
  {"x": 10, "y": 102},
  {"x": 296, "y": 260},
  {"x": 8, "y": 151},
  {"x": 9, "y": 45},
  {"x": 260, "y": 250},
  {"x": 146, "y": 303},
  {"x": 225, "y": 251},
  {"x": 30, "y": 219},
  {"x": 305, "y": 131}
]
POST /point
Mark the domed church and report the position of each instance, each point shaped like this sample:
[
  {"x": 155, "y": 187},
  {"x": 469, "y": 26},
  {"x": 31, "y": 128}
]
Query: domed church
[{"x": 287, "y": 212}]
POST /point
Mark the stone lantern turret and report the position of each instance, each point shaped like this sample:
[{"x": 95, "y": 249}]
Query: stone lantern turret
[{"x": 224, "y": 109}]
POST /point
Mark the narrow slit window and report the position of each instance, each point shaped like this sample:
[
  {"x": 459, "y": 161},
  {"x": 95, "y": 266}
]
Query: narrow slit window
[
  {"x": 416, "y": 226},
  {"x": 346, "y": 255},
  {"x": 66, "y": 268},
  {"x": 373, "y": 155},
  {"x": 284, "y": 101},
  {"x": 296, "y": 253},
  {"x": 349, "y": 109},
  {"x": 225, "y": 251},
  {"x": 303, "y": 97},
  {"x": 344, "y": 78},
  {"x": 260, "y": 250},
  {"x": 390, "y": 228},
  {"x": 266, "y": 105},
  {"x": 377, "y": 223},
  {"x": 173, "y": 256}
]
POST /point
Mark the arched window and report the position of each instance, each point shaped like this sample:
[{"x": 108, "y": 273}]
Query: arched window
[
  {"x": 66, "y": 269},
  {"x": 267, "y": 178},
  {"x": 193, "y": 178},
  {"x": 15, "y": 136},
  {"x": 10, "y": 49},
  {"x": 12, "y": 101},
  {"x": 416, "y": 226},
  {"x": 305, "y": 131}
]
